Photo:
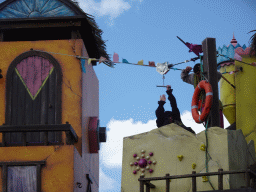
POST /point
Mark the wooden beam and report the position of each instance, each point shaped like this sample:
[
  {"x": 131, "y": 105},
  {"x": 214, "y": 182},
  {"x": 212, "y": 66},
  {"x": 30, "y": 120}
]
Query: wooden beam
[
  {"x": 39, "y": 24},
  {"x": 210, "y": 67},
  {"x": 22, "y": 163}
]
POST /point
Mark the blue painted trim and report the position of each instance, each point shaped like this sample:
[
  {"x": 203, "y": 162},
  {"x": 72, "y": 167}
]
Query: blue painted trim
[
  {"x": 228, "y": 51},
  {"x": 35, "y": 8},
  {"x": 83, "y": 65}
]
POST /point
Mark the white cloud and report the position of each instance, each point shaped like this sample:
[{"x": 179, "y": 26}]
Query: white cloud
[
  {"x": 106, "y": 183},
  {"x": 110, "y": 8},
  {"x": 188, "y": 120},
  {"x": 111, "y": 151}
]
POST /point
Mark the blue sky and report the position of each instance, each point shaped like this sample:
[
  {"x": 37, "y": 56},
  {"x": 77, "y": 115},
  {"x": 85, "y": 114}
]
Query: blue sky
[{"x": 147, "y": 29}]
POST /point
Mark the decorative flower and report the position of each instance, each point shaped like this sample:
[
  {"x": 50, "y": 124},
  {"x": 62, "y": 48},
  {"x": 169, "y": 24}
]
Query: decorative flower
[
  {"x": 143, "y": 164},
  {"x": 204, "y": 178},
  {"x": 180, "y": 157},
  {"x": 202, "y": 147}
]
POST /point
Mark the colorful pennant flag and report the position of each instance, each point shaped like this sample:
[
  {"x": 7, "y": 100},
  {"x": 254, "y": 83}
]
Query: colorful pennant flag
[
  {"x": 140, "y": 62},
  {"x": 83, "y": 65},
  {"x": 109, "y": 63},
  {"x": 151, "y": 63},
  {"x": 193, "y": 47},
  {"x": 102, "y": 59},
  {"x": 90, "y": 60},
  {"x": 253, "y": 64},
  {"x": 115, "y": 58},
  {"x": 125, "y": 61}
]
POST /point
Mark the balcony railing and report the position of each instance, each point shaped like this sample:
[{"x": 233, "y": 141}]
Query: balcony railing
[
  {"x": 146, "y": 181},
  {"x": 71, "y": 136}
]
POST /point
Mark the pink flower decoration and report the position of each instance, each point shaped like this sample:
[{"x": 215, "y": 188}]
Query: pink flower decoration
[
  {"x": 149, "y": 162},
  {"x": 134, "y": 172},
  {"x": 143, "y": 163},
  {"x": 150, "y": 170},
  {"x": 151, "y": 154}
]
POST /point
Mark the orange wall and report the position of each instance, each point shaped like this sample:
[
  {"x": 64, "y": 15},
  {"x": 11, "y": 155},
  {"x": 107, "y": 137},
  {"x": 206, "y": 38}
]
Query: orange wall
[
  {"x": 58, "y": 174},
  {"x": 71, "y": 81}
]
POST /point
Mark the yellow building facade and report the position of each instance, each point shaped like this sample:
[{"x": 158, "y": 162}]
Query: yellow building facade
[{"x": 49, "y": 98}]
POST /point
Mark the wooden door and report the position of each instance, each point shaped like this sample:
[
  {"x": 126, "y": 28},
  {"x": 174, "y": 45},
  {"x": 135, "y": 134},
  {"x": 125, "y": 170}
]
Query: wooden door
[{"x": 33, "y": 96}]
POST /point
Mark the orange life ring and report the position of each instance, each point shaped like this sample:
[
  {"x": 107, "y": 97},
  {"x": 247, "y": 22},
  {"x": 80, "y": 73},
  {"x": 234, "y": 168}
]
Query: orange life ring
[{"x": 208, "y": 101}]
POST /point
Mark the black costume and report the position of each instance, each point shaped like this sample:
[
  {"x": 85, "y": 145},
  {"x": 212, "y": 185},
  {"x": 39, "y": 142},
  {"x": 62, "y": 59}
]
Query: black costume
[{"x": 163, "y": 117}]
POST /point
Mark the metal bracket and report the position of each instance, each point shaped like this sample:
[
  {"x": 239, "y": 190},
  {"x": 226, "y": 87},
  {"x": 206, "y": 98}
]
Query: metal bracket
[{"x": 163, "y": 83}]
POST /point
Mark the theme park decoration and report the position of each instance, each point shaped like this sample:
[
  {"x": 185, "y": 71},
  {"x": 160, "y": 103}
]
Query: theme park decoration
[
  {"x": 211, "y": 154},
  {"x": 143, "y": 163},
  {"x": 206, "y": 86},
  {"x": 171, "y": 141},
  {"x": 193, "y": 47},
  {"x": 48, "y": 95},
  {"x": 96, "y": 134},
  {"x": 39, "y": 74}
]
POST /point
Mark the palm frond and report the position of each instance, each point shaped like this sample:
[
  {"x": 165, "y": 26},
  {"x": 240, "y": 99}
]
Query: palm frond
[
  {"x": 97, "y": 36},
  {"x": 252, "y": 42}
]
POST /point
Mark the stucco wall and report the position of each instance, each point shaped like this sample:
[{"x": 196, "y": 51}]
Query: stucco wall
[
  {"x": 245, "y": 98},
  {"x": 228, "y": 93},
  {"x": 79, "y": 173},
  {"x": 90, "y": 108},
  {"x": 57, "y": 175},
  {"x": 170, "y": 142},
  {"x": 71, "y": 112},
  {"x": 71, "y": 81}
]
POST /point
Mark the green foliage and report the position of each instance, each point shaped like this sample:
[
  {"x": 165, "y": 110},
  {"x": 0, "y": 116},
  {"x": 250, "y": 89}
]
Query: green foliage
[{"x": 253, "y": 43}]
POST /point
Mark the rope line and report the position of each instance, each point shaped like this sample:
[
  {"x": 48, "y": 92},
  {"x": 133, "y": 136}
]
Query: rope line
[
  {"x": 234, "y": 59},
  {"x": 80, "y": 57},
  {"x": 206, "y": 126}
]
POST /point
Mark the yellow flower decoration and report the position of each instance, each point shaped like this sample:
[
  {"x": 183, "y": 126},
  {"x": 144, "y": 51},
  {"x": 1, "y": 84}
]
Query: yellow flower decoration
[
  {"x": 205, "y": 179},
  {"x": 202, "y": 147},
  {"x": 180, "y": 157},
  {"x": 193, "y": 166}
]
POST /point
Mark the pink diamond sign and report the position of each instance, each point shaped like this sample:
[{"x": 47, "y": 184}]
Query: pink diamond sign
[{"x": 34, "y": 72}]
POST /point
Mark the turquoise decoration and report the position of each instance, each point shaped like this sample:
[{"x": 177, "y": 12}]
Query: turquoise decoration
[
  {"x": 83, "y": 65},
  {"x": 125, "y": 61},
  {"x": 227, "y": 51},
  {"x": 35, "y": 8}
]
